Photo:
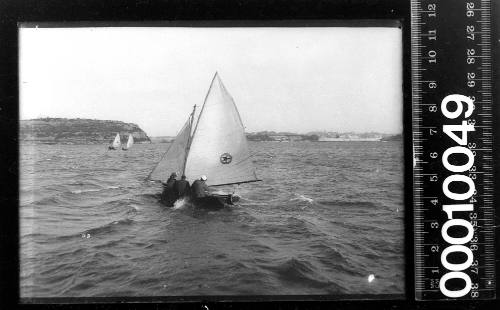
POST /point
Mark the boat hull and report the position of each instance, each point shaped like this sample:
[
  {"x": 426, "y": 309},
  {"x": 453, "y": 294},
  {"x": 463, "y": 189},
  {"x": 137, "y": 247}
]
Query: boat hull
[
  {"x": 215, "y": 201},
  {"x": 209, "y": 202}
]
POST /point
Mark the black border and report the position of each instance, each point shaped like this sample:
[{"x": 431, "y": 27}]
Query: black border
[{"x": 202, "y": 13}]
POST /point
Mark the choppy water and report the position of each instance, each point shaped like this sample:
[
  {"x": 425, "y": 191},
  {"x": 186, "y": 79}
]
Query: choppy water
[{"x": 325, "y": 218}]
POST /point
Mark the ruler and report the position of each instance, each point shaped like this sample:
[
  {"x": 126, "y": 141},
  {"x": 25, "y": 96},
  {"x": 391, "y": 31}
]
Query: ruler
[{"x": 452, "y": 149}]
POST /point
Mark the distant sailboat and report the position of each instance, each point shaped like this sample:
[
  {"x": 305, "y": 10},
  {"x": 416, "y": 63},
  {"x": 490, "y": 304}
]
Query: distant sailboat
[
  {"x": 116, "y": 143},
  {"x": 217, "y": 147},
  {"x": 130, "y": 142}
]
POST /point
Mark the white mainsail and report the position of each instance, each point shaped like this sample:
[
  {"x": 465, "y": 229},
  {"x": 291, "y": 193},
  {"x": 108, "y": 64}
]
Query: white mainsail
[
  {"x": 130, "y": 141},
  {"x": 116, "y": 143},
  {"x": 219, "y": 147},
  {"x": 174, "y": 158}
]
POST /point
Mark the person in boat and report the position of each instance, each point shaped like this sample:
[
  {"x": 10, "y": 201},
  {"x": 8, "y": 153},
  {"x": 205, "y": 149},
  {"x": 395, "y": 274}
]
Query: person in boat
[
  {"x": 199, "y": 188},
  {"x": 168, "y": 195},
  {"x": 182, "y": 188}
]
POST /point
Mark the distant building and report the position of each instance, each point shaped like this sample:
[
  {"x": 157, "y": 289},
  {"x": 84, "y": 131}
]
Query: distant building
[{"x": 348, "y": 138}]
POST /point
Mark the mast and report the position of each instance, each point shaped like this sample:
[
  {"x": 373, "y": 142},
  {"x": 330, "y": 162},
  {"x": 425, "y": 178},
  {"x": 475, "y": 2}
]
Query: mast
[
  {"x": 196, "y": 127},
  {"x": 203, "y": 107},
  {"x": 188, "y": 146}
]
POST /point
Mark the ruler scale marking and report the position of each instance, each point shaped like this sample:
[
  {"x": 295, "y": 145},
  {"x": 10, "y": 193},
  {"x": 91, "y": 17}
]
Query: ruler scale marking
[{"x": 466, "y": 70}]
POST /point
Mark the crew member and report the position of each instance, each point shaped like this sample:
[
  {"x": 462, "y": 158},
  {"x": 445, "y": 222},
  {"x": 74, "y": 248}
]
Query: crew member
[
  {"x": 199, "y": 188},
  {"x": 168, "y": 195},
  {"x": 181, "y": 187}
]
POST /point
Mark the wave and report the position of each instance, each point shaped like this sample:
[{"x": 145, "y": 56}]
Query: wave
[
  {"x": 133, "y": 209},
  {"x": 299, "y": 226},
  {"x": 289, "y": 228},
  {"x": 361, "y": 204},
  {"x": 260, "y": 248},
  {"x": 272, "y": 195},
  {"x": 104, "y": 229},
  {"x": 109, "y": 244},
  {"x": 302, "y": 198},
  {"x": 108, "y": 227},
  {"x": 81, "y": 191},
  {"x": 30, "y": 234},
  {"x": 295, "y": 270},
  {"x": 326, "y": 254},
  {"x": 261, "y": 201},
  {"x": 148, "y": 196},
  {"x": 53, "y": 200}
]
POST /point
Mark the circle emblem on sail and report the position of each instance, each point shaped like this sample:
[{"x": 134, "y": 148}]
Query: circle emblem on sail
[{"x": 226, "y": 158}]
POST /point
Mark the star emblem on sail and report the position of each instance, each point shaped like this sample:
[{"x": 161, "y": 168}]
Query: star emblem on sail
[
  {"x": 226, "y": 158},
  {"x": 218, "y": 130}
]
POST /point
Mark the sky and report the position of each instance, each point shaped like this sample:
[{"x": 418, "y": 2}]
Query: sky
[{"x": 281, "y": 79}]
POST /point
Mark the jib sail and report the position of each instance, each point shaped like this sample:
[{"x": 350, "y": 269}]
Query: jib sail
[{"x": 174, "y": 158}]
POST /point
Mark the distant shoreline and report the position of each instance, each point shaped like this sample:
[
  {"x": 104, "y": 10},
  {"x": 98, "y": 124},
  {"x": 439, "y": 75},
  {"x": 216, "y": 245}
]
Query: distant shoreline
[
  {"x": 101, "y": 132},
  {"x": 31, "y": 142},
  {"x": 156, "y": 140}
]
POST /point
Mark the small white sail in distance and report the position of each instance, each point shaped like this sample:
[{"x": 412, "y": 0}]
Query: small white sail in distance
[
  {"x": 130, "y": 142},
  {"x": 217, "y": 147},
  {"x": 116, "y": 143}
]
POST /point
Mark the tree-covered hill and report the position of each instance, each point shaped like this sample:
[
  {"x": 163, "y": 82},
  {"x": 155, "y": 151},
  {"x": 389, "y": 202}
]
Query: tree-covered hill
[{"x": 78, "y": 131}]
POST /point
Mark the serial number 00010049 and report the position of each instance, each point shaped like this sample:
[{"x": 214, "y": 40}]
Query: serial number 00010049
[{"x": 455, "y": 244}]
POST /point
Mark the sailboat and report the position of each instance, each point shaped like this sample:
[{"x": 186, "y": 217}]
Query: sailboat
[
  {"x": 216, "y": 147},
  {"x": 130, "y": 142},
  {"x": 116, "y": 143}
]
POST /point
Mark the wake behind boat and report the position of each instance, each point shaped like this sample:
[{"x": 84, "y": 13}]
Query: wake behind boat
[{"x": 216, "y": 148}]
